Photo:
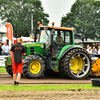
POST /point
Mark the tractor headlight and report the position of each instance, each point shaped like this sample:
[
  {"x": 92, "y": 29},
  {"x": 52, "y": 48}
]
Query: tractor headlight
[{"x": 42, "y": 46}]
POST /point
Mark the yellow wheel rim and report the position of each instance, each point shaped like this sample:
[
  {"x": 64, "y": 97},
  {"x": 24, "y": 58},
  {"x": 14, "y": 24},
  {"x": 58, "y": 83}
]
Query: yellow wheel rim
[
  {"x": 35, "y": 67},
  {"x": 76, "y": 64}
]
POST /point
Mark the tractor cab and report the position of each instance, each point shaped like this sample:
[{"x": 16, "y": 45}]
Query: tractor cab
[{"x": 54, "y": 39}]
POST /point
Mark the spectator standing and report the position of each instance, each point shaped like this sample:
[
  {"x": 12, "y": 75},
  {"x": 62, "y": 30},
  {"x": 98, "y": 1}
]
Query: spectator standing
[
  {"x": 99, "y": 49},
  {"x": 5, "y": 49},
  {"x": 93, "y": 49},
  {"x": 0, "y": 48},
  {"x": 11, "y": 44},
  {"x": 10, "y": 48},
  {"x": 17, "y": 52},
  {"x": 87, "y": 49},
  {"x": 90, "y": 50},
  {"x": 95, "y": 52}
]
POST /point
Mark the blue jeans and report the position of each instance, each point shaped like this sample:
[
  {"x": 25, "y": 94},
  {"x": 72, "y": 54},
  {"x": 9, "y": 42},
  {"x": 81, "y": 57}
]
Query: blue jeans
[{"x": 5, "y": 53}]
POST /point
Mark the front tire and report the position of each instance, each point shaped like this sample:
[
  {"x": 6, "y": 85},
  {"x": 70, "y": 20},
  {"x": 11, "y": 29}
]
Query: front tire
[
  {"x": 76, "y": 64},
  {"x": 34, "y": 66},
  {"x": 9, "y": 69}
]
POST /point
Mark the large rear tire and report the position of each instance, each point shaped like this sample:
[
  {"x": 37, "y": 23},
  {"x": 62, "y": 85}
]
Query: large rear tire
[
  {"x": 76, "y": 64},
  {"x": 34, "y": 66},
  {"x": 9, "y": 69}
]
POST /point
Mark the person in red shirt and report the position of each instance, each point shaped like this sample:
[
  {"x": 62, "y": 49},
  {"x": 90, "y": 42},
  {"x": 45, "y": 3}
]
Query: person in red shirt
[{"x": 17, "y": 52}]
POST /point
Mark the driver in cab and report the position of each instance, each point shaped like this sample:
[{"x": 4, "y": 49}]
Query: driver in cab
[
  {"x": 59, "y": 39},
  {"x": 57, "y": 43}
]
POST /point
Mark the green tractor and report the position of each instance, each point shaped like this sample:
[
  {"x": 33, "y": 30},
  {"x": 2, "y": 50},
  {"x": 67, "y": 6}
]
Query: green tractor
[{"x": 46, "y": 52}]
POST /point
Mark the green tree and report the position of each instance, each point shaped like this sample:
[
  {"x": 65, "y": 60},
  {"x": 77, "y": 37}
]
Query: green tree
[
  {"x": 84, "y": 17},
  {"x": 17, "y": 12}
]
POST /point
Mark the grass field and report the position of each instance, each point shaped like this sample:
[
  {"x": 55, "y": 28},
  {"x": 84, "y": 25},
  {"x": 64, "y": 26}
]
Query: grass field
[
  {"x": 2, "y": 69},
  {"x": 48, "y": 87}
]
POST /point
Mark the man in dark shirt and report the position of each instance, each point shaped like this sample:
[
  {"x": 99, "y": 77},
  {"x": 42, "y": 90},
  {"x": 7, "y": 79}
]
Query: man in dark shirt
[
  {"x": 0, "y": 49},
  {"x": 17, "y": 52}
]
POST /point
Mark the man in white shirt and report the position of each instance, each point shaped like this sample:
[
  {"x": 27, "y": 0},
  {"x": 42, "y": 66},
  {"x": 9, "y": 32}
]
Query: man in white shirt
[
  {"x": 87, "y": 49},
  {"x": 5, "y": 49},
  {"x": 99, "y": 49},
  {"x": 90, "y": 50}
]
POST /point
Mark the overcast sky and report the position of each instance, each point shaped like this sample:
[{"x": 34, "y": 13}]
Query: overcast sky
[{"x": 55, "y": 8}]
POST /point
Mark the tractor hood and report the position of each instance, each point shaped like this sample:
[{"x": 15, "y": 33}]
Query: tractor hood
[
  {"x": 32, "y": 44},
  {"x": 34, "y": 47}
]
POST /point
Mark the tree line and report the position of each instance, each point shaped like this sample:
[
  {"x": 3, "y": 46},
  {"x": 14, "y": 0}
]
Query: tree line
[
  {"x": 84, "y": 17},
  {"x": 18, "y": 13}
]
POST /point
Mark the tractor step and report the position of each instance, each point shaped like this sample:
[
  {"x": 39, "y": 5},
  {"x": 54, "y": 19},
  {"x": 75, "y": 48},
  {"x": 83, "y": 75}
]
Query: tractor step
[{"x": 53, "y": 62}]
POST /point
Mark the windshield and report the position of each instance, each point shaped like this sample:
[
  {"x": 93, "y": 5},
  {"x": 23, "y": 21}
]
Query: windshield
[
  {"x": 45, "y": 36},
  {"x": 62, "y": 37},
  {"x": 68, "y": 37}
]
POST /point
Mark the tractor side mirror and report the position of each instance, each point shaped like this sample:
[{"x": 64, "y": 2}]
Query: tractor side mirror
[{"x": 53, "y": 31}]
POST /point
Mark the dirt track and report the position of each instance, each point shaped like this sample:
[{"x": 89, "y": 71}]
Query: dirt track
[
  {"x": 6, "y": 79},
  {"x": 50, "y": 95}
]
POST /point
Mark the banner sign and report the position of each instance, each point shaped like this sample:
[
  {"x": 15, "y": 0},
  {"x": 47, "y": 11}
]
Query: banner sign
[{"x": 9, "y": 31}]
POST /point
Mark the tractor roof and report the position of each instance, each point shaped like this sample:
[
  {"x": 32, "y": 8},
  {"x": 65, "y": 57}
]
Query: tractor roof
[{"x": 58, "y": 28}]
